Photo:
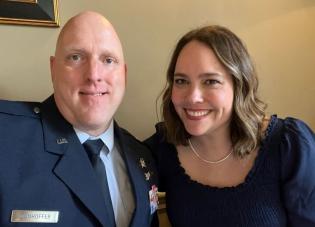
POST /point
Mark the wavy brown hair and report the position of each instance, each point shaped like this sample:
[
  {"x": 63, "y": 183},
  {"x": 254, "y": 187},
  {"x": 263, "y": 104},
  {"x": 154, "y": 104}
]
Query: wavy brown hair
[{"x": 248, "y": 109}]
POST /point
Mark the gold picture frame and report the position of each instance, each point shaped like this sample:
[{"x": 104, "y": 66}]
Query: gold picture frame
[{"x": 30, "y": 12}]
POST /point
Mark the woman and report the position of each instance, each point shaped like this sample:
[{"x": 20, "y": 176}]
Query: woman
[{"x": 222, "y": 161}]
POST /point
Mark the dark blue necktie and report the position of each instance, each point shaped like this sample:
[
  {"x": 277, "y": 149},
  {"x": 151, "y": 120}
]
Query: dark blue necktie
[{"x": 93, "y": 149}]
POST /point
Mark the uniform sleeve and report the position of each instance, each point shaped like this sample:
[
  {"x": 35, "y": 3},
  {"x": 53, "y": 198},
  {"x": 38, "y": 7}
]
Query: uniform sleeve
[{"x": 298, "y": 172}]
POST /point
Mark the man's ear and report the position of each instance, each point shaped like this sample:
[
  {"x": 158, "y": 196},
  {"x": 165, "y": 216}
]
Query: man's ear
[
  {"x": 52, "y": 64},
  {"x": 126, "y": 72}
]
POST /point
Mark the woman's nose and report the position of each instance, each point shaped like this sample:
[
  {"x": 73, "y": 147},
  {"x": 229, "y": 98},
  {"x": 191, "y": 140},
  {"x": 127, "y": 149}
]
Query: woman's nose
[{"x": 195, "y": 94}]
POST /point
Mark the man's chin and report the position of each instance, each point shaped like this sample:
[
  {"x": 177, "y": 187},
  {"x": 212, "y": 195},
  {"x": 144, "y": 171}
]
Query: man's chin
[{"x": 96, "y": 127}]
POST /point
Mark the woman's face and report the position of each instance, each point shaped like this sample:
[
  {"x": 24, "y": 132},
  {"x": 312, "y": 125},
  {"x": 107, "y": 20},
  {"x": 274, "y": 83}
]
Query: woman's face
[{"x": 202, "y": 91}]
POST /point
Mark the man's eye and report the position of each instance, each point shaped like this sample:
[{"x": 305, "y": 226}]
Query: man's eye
[
  {"x": 75, "y": 57},
  {"x": 109, "y": 60}
]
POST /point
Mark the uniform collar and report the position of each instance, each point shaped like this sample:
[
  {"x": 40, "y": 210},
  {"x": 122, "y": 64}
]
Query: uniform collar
[{"x": 107, "y": 137}]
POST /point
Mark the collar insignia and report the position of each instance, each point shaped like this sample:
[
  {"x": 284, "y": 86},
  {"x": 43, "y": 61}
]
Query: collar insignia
[{"x": 62, "y": 141}]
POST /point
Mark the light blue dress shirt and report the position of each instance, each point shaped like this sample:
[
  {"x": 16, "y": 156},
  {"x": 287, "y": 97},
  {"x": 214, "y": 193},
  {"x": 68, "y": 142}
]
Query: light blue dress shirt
[{"x": 117, "y": 176}]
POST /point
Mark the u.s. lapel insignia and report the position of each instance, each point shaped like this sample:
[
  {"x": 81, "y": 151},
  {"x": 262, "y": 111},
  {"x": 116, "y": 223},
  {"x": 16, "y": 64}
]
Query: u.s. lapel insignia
[
  {"x": 154, "y": 199},
  {"x": 62, "y": 141},
  {"x": 142, "y": 163},
  {"x": 147, "y": 176}
]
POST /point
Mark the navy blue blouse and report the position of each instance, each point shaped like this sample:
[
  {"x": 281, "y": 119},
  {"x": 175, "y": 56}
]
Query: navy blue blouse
[{"x": 278, "y": 191}]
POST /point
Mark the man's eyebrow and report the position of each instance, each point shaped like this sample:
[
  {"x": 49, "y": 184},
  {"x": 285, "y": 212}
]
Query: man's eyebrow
[{"x": 74, "y": 49}]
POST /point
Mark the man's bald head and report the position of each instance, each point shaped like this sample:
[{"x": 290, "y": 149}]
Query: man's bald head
[
  {"x": 83, "y": 22},
  {"x": 88, "y": 72}
]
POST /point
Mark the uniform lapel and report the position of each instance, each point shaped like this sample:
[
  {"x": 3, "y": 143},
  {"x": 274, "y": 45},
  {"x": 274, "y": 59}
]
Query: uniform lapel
[
  {"x": 132, "y": 155},
  {"x": 73, "y": 168}
]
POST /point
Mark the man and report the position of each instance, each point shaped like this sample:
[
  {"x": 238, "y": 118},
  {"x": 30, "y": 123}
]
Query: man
[{"x": 46, "y": 174}]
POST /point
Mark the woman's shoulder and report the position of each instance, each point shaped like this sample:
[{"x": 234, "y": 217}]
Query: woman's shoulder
[
  {"x": 295, "y": 141},
  {"x": 297, "y": 152},
  {"x": 162, "y": 150},
  {"x": 291, "y": 130},
  {"x": 157, "y": 142},
  {"x": 297, "y": 134},
  {"x": 297, "y": 128},
  {"x": 293, "y": 138},
  {"x": 158, "y": 137}
]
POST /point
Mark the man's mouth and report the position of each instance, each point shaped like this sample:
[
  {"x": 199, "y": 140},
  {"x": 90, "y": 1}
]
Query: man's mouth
[{"x": 93, "y": 93}]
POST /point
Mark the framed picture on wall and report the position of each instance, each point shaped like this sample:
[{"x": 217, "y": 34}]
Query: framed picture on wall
[{"x": 30, "y": 12}]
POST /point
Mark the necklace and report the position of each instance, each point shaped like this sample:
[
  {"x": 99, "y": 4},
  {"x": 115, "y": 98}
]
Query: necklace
[{"x": 205, "y": 160}]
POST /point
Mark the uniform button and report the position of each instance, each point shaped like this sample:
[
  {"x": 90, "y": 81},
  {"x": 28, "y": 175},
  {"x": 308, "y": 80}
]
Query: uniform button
[{"x": 36, "y": 110}]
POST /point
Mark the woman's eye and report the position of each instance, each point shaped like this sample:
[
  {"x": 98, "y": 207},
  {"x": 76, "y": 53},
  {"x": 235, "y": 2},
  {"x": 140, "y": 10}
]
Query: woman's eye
[
  {"x": 211, "y": 82},
  {"x": 180, "y": 81}
]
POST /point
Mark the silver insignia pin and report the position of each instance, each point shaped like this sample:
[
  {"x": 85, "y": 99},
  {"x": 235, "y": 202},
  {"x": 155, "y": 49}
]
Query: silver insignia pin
[
  {"x": 62, "y": 141},
  {"x": 147, "y": 175},
  {"x": 142, "y": 163}
]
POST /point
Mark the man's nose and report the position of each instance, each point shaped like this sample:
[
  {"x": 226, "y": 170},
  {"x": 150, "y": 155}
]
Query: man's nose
[{"x": 93, "y": 70}]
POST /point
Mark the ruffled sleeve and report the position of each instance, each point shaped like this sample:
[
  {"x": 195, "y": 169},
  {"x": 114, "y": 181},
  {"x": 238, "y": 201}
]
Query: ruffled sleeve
[{"x": 298, "y": 172}]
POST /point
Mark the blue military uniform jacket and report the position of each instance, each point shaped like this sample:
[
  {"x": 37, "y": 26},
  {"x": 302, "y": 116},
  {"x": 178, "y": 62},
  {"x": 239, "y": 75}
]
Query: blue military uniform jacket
[{"x": 44, "y": 168}]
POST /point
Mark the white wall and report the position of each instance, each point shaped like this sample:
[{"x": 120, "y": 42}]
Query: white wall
[{"x": 279, "y": 34}]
